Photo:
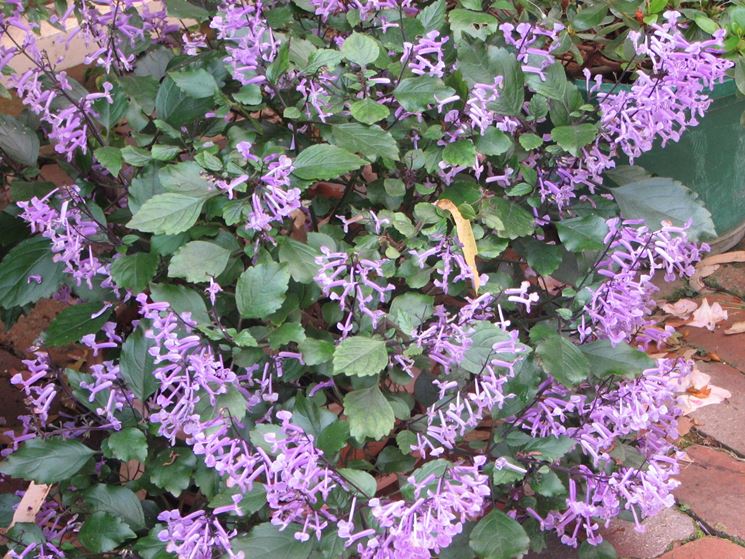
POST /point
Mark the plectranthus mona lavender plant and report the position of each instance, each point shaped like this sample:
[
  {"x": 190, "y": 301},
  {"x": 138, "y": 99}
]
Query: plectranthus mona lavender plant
[{"x": 305, "y": 250}]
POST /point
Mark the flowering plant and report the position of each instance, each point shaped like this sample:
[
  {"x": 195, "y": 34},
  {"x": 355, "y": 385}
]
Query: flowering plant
[{"x": 354, "y": 278}]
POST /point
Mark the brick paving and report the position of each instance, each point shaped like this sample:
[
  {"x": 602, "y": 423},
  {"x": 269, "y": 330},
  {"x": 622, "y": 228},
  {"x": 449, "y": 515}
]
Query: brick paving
[{"x": 708, "y": 521}]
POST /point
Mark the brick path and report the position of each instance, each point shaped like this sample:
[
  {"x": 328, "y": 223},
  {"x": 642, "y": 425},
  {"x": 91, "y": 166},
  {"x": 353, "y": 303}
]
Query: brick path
[{"x": 708, "y": 521}]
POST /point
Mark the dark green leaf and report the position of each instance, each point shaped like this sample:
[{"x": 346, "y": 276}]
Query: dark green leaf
[
  {"x": 462, "y": 153},
  {"x": 620, "y": 359},
  {"x": 119, "y": 501},
  {"x": 361, "y": 483},
  {"x": 178, "y": 108},
  {"x": 261, "y": 289},
  {"x": 197, "y": 83},
  {"x": 135, "y": 271},
  {"x": 415, "y": 94},
  {"x": 497, "y": 536},
  {"x": 198, "y": 261},
  {"x": 46, "y": 460},
  {"x": 299, "y": 258},
  {"x": 128, "y": 444},
  {"x": 172, "y": 469},
  {"x": 563, "y": 360},
  {"x": 604, "y": 550},
  {"x": 368, "y": 111},
  {"x": 182, "y": 299},
  {"x": 182, "y": 9},
  {"x": 265, "y": 541},
  {"x": 103, "y": 532},
  {"x": 493, "y": 142},
  {"x": 325, "y": 162},
  {"x": 360, "y": 356},
  {"x": 580, "y": 234},
  {"x": 136, "y": 365},
  {"x": 110, "y": 158},
  {"x": 168, "y": 213},
  {"x": 663, "y": 199},
  {"x": 366, "y": 140},
  {"x": 573, "y": 138},
  {"x": 478, "y": 25},
  {"x": 590, "y": 17},
  {"x": 75, "y": 322},
  {"x": 18, "y": 141},
  {"x": 508, "y": 219},
  {"x": 31, "y": 258},
  {"x": 369, "y": 413},
  {"x": 360, "y": 49},
  {"x": 333, "y": 438}
]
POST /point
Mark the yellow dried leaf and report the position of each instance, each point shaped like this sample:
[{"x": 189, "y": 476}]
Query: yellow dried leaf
[{"x": 465, "y": 236}]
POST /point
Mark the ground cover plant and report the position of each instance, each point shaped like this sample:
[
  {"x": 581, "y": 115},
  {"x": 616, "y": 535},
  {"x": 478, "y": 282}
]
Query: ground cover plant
[{"x": 354, "y": 279}]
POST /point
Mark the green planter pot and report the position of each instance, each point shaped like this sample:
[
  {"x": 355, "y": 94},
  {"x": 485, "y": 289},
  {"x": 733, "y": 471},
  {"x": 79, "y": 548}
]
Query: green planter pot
[{"x": 710, "y": 160}]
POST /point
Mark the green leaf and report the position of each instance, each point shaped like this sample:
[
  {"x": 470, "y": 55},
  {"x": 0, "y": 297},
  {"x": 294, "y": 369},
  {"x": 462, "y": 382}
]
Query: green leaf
[
  {"x": 369, "y": 413},
  {"x": 497, "y": 536},
  {"x": 432, "y": 17},
  {"x": 325, "y": 162},
  {"x": 366, "y": 140},
  {"x": 198, "y": 261},
  {"x": 248, "y": 95},
  {"x": 265, "y": 541},
  {"x": 316, "y": 351},
  {"x": 361, "y": 483},
  {"x": 261, "y": 289},
  {"x": 604, "y": 550},
  {"x": 508, "y": 219},
  {"x": 137, "y": 157},
  {"x": 280, "y": 64},
  {"x": 182, "y": 299},
  {"x": 321, "y": 58},
  {"x": 110, "y": 158},
  {"x": 8, "y": 504},
  {"x": 415, "y": 94},
  {"x": 549, "y": 449},
  {"x": 46, "y": 460},
  {"x": 563, "y": 360},
  {"x": 478, "y": 25},
  {"x": 18, "y": 141},
  {"x": 164, "y": 152},
  {"x": 580, "y": 234},
  {"x": 480, "y": 64},
  {"x": 103, "y": 532},
  {"x": 75, "y": 322},
  {"x": 480, "y": 352},
  {"x": 136, "y": 365},
  {"x": 172, "y": 469},
  {"x": 493, "y": 142},
  {"x": 333, "y": 438},
  {"x": 410, "y": 310},
  {"x": 168, "y": 213},
  {"x": 621, "y": 359},
  {"x": 360, "y": 49},
  {"x": 128, "y": 444},
  {"x": 182, "y": 9},
  {"x": 185, "y": 178},
  {"x": 119, "y": 501},
  {"x": 530, "y": 141},
  {"x": 590, "y": 17},
  {"x": 299, "y": 259},
  {"x": 197, "y": 83},
  {"x": 360, "y": 356},
  {"x": 661, "y": 199},
  {"x": 573, "y": 138},
  {"x": 368, "y": 111},
  {"x": 134, "y": 271},
  {"x": 30, "y": 258},
  {"x": 542, "y": 257},
  {"x": 462, "y": 152},
  {"x": 178, "y": 108}
]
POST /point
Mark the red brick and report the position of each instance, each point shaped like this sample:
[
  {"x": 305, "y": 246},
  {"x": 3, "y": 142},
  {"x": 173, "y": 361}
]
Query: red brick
[
  {"x": 713, "y": 487},
  {"x": 661, "y": 531},
  {"x": 724, "y": 422},
  {"x": 707, "y": 548}
]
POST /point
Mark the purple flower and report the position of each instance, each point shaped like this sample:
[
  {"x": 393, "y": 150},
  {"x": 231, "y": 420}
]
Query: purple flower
[
  {"x": 354, "y": 283},
  {"x": 426, "y": 57},
  {"x": 250, "y": 43},
  {"x": 196, "y": 535},
  {"x": 38, "y": 387}
]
